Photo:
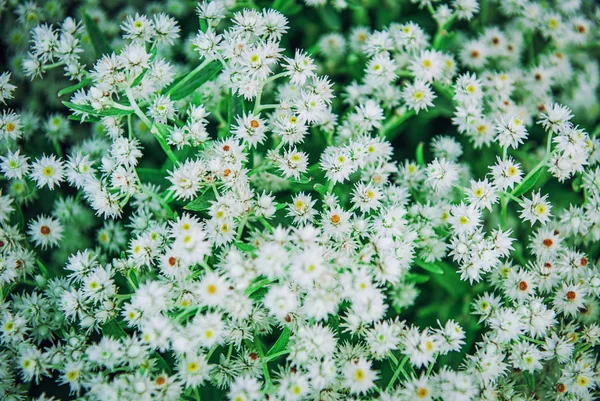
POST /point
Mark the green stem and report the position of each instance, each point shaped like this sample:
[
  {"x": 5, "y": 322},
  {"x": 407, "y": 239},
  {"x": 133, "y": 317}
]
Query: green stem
[
  {"x": 277, "y": 355},
  {"x": 442, "y": 31},
  {"x": 189, "y": 76},
  {"x": 257, "y": 105},
  {"x": 241, "y": 229},
  {"x": 386, "y": 129},
  {"x": 399, "y": 369},
  {"x": 538, "y": 166},
  {"x": 263, "y": 362},
  {"x": 157, "y": 134},
  {"x": 533, "y": 340}
]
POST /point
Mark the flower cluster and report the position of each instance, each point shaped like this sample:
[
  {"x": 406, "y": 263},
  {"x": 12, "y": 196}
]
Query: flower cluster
[{"x": 410, "y": 212}]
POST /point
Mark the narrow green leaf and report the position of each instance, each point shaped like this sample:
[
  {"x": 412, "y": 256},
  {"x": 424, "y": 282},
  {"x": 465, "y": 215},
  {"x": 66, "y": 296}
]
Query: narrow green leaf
[
  {"x": 161, "y": 363},
  {"x": 261, "y": 283},
  {"x": 91, "y": 111},
  {"x": 88, "y": 119},
  {"x": 244, "y": 247},
  {"x": 431, "y": 267},
  {"x": 280, "y": 206},
  {"x": 43, "y": 268},
  {"x": 202, "y": 202},
  {"x": 99, "y": 41},
  {"x": 419, "y": 155},
  {"x": 528, "y": 183},
  {"x": 113, "y": 329},
  {"x": 151, "y": 175},
  {"x": 320, "y": 188},
  {"x": 331, "y": 18},
  {"x": 416, "y": 278},
  {"x": 302, "y": 180},
  {"x": 73, "y": 88},
  {"x": 281, "y": 342},
  {"x": 235, "y": 108},
  {"x": 195, "y": 80}
]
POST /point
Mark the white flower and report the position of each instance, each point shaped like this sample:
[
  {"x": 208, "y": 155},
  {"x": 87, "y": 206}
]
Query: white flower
[
  {"x": 162, "y": 109},
  {"x": 556, "y": 118},
  {"x": 250, "y": 129},
  {"x": 280, "y": 301},
  {"x": 358, "y": 376},
  {"x": 366, "y": 196},
  {"x": 569, "y": 299},
  {"x": 418, "y": 95},
  {"x": 464, "y": 219},
  {"x": 47, "y": 171},
  {"x": 536, "y": 209},
  {"x": 14, "y": 165},
  {"x": 300, "y": 68},
  {"x": 510, "y": 133},
  {"x": 506, "y": 173},
  {"x": 441, "y": 175},
  {"x": 526, "y": 356},
  {"x": 6, "y": 88},
  {"x": 45, "y": 232},
  {"x": 293, "y": 163},
  {"x": 428, "y": 66}
]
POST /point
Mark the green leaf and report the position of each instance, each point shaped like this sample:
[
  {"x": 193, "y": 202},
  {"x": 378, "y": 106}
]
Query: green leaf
[
  {"x": 419, "y": 155},
  {"x": 280, "y": 206},
  {"x": 43, "y": 268},
  {"x": 99, "y": 41},
  {"x": 90, "y": 110},
  {"x": 302, "y": 180},
  {"x": 244, "y": 247},
  {"x": 320, "y": 188},
  {"x": 139, "y": 78},
  {"x": 281, "y": 342},
  {"x": 430, "y": 267},
  {"x": 287, "y": 7},
  {"x": 331, "y": 18},
  {"x": 161, "y": 363},
  {"x": 202, "y": 202},
  {"x": 188, "y": 83},
  {"x": 73, "y": 88},
  {"x": 261, "y": 283},
  {"x": 451, "y": 281},
  {"x": 235, "y": 107},
  {"x": 416, "y": 278},
  {"x": 88, "y": 119},
  {"x": 528, "y": 183},
  {"x": 113, "y": 329},
  {"x": 151, "y": 175}
]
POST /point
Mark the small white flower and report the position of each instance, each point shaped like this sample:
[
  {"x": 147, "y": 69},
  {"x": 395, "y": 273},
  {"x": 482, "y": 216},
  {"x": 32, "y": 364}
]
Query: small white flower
[
  {"x": 536, "y": 209},
  {"x": 45, "y": 232}
]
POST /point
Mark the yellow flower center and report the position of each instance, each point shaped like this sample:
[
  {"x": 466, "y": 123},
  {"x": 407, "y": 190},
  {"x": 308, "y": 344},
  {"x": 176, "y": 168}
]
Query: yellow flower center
[
  {"x": 582, "y": 381},
  {"x": 193, "y": 367}
]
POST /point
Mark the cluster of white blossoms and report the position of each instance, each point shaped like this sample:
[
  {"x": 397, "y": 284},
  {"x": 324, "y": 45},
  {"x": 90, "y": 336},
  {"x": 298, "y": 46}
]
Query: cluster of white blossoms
[{"x": 214, "y": 214}]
